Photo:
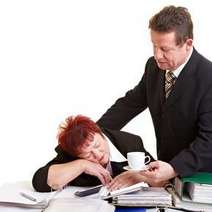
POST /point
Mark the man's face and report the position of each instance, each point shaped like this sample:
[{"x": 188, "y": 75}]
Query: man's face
[
  {"x": 96, "y": 150},
  {"x": 167, "y": 54}
]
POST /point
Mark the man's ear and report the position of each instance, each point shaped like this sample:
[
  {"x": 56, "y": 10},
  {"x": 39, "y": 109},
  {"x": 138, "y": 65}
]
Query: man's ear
[{"x": 189, "y": 44}]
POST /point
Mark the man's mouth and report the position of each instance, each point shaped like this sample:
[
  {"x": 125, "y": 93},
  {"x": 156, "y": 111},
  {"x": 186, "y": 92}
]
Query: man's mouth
[{"x": 161, "y": 62}]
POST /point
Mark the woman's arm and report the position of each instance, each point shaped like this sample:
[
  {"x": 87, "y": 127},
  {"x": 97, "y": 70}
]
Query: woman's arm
[{"x": 60, "y": 175}]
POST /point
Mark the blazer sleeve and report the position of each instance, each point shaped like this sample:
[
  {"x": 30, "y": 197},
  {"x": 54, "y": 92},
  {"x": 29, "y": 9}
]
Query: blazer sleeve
[
  {"x": 125, "y": 108},
  {"x": 39, "y": 180},
  {"x": 126, "y": 142}
]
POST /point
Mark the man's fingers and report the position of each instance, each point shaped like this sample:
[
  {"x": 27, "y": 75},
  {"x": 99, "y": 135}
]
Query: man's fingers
[
  {"x": 154, "y": 165},
  {"x": 112, "y": 183},
  {"x": 115, "y": 186},
  {"x": 119, "y": 185}
]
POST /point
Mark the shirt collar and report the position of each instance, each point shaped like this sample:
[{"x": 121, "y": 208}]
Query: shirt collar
[{"x": 177, "y": 71}]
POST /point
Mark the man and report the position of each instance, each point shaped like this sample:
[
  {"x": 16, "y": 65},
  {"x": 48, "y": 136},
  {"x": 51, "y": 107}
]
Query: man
[
  {"x": 86, "y": 156},
  {"x": 177, "y": 89}
]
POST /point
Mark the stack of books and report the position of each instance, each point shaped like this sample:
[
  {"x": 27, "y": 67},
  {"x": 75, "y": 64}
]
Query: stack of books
[{"x": 194, "y": 192}]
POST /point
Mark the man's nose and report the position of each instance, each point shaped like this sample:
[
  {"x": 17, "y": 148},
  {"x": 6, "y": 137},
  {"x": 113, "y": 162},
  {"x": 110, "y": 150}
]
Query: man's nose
[{"x": 158, "y": 54}]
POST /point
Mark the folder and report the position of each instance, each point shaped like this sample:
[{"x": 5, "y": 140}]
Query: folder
[
  {"x": 195, "y": 188},
  {"x": 127, "y": 209}
]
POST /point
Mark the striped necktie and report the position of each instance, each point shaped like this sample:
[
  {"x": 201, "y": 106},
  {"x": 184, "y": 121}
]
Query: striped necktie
[{"x": 169, "y": 82}]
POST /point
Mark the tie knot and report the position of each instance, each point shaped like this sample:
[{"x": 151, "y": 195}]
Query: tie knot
[{"x": 170, "y": 77}]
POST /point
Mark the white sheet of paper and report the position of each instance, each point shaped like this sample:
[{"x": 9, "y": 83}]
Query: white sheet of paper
[{"x": 61, "y": 201}]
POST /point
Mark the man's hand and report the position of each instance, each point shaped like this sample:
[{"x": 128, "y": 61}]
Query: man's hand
[
  {"x": 125, "y": 179},
  {"x": 159, "y": 173},
  {"x": 97, "y": 170}
]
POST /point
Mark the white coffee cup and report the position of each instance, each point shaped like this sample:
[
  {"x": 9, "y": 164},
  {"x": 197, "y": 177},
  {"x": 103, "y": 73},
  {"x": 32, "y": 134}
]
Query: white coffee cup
[{"x": 136, "y": 160}]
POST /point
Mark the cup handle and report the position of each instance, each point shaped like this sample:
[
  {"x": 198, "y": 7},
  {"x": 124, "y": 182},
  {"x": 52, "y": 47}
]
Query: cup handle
[{"x": 148, "y": 159}]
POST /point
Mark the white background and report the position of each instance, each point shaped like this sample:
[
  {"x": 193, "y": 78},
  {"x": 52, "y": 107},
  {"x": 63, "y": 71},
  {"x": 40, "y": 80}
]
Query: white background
[{"x": 60, "y": 58}]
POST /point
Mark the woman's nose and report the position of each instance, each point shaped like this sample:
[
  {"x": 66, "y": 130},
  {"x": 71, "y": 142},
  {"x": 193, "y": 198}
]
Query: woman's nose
[{"x": 97, "y": 154}]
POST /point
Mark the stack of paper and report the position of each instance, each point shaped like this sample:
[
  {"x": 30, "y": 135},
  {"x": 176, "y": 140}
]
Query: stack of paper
[
  {"x": 16, "y": 195},
  {"x": 21, "y": 197},
  {"x": 147, "y": 196},
  {"x": 79, "y": 205},
  {"x": 187, "y": 204},
  {"x": 200, "y": 193}
]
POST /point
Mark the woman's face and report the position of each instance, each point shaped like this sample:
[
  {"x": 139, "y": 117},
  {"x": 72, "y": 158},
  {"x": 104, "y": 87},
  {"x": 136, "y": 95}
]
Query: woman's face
[{"x": 96, "y": 150}]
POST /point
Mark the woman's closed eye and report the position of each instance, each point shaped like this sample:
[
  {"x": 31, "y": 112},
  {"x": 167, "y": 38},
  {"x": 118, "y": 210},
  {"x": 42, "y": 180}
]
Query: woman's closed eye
[{"x": 96, "y": 145}]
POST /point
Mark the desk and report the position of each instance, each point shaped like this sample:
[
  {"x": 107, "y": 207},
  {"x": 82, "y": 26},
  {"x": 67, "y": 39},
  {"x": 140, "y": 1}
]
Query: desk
[{"x": 61, "y": 202}]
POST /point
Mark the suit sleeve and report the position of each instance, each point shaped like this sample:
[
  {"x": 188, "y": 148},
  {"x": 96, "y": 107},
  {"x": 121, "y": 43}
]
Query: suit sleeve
[
  {"x": 198, "y": 156},
  {"x": 125, "y": 108},
  {"x": 141, "y": 147},
  {"x": 126, "y": 142},
  {"x": 39, "y": 180}
]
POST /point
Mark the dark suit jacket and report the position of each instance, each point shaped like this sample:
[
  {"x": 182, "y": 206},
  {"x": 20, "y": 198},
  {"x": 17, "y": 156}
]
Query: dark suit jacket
[
  {"x": 124, "y": 142},
  {"x": 183, "y": 122}
]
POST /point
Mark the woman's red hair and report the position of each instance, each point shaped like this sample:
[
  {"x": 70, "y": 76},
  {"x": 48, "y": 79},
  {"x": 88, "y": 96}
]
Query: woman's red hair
[{"x": 75, "y": 131}]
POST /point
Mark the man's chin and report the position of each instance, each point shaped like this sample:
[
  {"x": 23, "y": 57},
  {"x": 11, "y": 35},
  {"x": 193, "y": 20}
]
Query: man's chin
[{"x": 163, "y": 66}]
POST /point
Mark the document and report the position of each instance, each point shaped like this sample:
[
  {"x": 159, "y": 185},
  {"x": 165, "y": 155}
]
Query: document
[
  {"x": 79, "y": 205},
  {"x": 20, "y": 197},
  {"x": 106, "y": 194},
  {"x": 147, "y": 197}
]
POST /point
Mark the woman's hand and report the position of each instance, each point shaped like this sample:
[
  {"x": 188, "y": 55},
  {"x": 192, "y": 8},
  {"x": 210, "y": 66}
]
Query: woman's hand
[
  {"x": 125, "y": 179},
  {"x": 97, "y": 170}
]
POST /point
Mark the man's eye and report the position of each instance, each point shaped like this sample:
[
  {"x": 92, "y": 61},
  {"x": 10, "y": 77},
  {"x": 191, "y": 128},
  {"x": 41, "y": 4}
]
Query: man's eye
[{"x": 165, "y": 50}]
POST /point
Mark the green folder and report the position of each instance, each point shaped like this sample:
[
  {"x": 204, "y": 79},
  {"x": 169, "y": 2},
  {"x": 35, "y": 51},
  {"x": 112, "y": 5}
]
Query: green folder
[
  {"x": 200, "y": 177},
  {"x": 195, "y": 188}
]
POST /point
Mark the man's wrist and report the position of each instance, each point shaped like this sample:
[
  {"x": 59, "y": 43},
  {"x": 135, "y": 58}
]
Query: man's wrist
[{"x": 173, "y": 173}]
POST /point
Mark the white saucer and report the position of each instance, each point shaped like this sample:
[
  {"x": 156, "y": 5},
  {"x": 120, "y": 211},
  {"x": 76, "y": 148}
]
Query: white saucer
[{"x": 141, "y": 169}]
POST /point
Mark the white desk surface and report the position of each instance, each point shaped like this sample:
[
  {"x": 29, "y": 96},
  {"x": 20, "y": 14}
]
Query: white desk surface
[{"x": 62, "y": 202}]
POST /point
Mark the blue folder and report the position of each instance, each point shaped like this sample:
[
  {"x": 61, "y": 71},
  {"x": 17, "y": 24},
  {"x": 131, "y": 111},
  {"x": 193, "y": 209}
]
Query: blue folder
[{"x": 130, "y": 209}]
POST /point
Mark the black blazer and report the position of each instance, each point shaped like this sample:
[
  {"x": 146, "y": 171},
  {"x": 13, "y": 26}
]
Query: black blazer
[
  {"x": 182, "y": 123},
  {"x": 124, "y": 142}
]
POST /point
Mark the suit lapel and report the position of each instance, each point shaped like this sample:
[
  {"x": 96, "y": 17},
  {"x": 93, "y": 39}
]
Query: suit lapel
[
  {"x": 161, "y": 86},
  {"x": 184, "y": 79},
  {"x": 179, "y": 89}
]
